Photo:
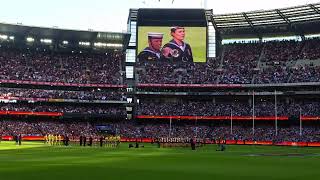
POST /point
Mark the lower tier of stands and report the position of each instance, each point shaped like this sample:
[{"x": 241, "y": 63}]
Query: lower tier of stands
[{"x": 238, "y": 132}]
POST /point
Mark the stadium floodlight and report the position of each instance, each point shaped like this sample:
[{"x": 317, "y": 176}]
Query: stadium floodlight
[
  {"x": 129, "y": 100},
  {"x": 65, "y": 42},
  {"x": 84, "y": 43},
  {"x": 310, "y": 36},
  {"x": 46, "y": 41},
  {"x": 113, "y": 45},
  {"x": 30, "y": 39},
  {"x": 100, "y": 44},
  {"x": 4, "y": 37},
  {"x": 11, "y": 37}
]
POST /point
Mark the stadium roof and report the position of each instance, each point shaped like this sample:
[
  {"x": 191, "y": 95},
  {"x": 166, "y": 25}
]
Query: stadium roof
[
  {"x": 22, "y": 31},
  {"x": 297, "y": 20}
]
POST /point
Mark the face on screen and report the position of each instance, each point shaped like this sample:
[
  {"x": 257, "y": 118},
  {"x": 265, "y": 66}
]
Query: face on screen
[
  {"x": 155, "y": 44},
  {"x": 178, "y": 34}
]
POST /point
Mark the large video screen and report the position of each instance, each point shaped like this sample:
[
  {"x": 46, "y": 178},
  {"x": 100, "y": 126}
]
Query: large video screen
[{"x": 171, "y": 43}]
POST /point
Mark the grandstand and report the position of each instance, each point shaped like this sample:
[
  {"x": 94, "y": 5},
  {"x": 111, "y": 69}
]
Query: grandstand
[
  {"x": 259, "y": 85},
  {"x": 81, "y": 74},
  {"x": 265, "y": 73},
  {"x": 57, "y": 73}
]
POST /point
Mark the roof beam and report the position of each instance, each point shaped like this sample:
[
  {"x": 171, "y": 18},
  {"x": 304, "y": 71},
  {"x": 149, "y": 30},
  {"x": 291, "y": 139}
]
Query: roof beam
[
  {"x": 214, "y": 23},
  {"x": 314, "y": 8},
  {"x": 248, "y": 20},
  {"x": 291, "y": 28},
  {"x": 283, "y": 17},
  {"x": 251, "y": 25},
  {"x": 209, "y": 14}
]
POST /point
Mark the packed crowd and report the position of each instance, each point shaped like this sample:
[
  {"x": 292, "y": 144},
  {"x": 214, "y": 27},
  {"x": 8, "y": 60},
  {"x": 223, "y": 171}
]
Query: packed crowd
[
  {"x": 94, "y": 94},
  {"x": 260, "y": 63},
  {"x": 200, "y": 108},
  {"x": 311, "y": 49},
  {"x": 282, "y": 51},
  {"x": 178, "y": 73},
  {"x": 306, "y": 74},
  {"x": 132, "y": 129},
  {"x": 40, "y": 128},
  {"x": 43, "y": 66},
  {"x": 239, "y": 63},
  {"x": 83, "y": 109},
  {"x": 273, "y": 74}
]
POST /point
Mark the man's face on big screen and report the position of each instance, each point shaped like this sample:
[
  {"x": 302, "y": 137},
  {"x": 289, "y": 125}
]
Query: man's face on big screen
[
  {"x": 178, "y": 34},
  {"x": 156, "y": 44}
]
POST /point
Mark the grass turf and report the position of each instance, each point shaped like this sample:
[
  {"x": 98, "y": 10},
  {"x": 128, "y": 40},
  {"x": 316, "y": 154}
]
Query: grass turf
[{"x": 37, "y": 161}]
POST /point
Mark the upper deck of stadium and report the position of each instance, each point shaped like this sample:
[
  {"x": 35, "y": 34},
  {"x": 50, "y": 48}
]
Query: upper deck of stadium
[
  {"x": 68, "y": 38},
  {"x": 297, "y": 20}
]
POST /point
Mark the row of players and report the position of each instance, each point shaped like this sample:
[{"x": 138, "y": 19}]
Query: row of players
[
  {"x": 110, "y": 141},
  {"x": 188, "y": 140}
]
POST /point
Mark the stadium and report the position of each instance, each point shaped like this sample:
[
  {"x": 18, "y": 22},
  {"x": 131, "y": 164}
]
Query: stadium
[{"x": 236, "y": 97}]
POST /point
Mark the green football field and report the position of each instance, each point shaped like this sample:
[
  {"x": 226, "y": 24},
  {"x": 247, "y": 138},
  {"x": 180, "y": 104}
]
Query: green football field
[{"x": 37, "y": 161}]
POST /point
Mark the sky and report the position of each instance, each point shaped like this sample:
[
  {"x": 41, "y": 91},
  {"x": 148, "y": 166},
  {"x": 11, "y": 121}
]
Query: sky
[{"x": 112, "y": 15}]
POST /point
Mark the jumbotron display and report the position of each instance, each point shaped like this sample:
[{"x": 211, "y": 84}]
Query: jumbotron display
[
  {"x": 171, "y": 44},
  {"x": 171, "y": 36}
]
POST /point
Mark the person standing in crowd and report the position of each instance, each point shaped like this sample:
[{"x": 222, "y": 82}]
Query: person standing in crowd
[
  {"x": 84, "y": 140},
  {"x": 16, "y": 139},
  {"x": 55, "y": 140},
  {"x": 118, "y": 140},
  {"x": 107, "y": 139},
  {"x": 19, "y": 139},
  {"x": 90, "y": 141},
  {"x": 193, "y": 143},
  {"x": 50, "y": 139},
  {"x": 158, "y": 142},
  {"x": 45, "y": 138},
  {"x": 101, "y": 141},
  {"x": 177, "y": 50},
  {"x": 59, "y": 139},
  {"x": 153, "y": 51},
  {"x": 80, "y": 139},
  {"x": 221, "y": 145},
  {"x": 66, "y": 139}
]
